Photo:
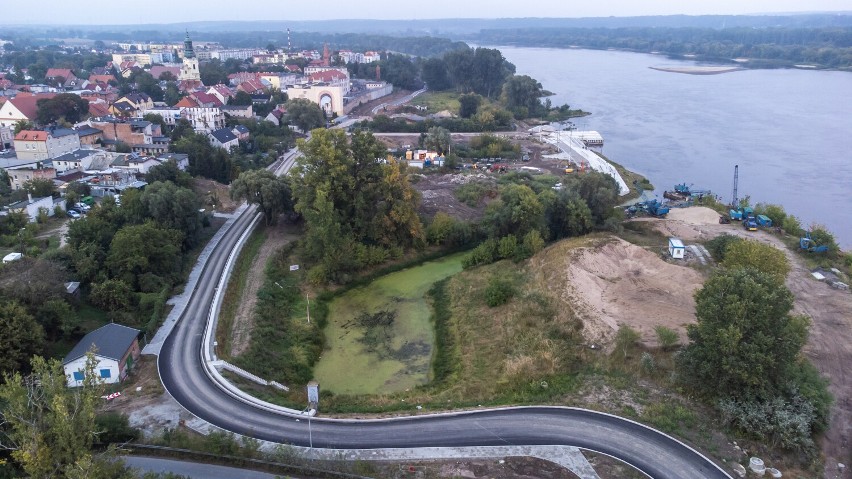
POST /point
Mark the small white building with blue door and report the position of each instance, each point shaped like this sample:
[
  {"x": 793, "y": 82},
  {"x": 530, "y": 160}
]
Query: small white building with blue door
[{"x": 116, "y": 349}]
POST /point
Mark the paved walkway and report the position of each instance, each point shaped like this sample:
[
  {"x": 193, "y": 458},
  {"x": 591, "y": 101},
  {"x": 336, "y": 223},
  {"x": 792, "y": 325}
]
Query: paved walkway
[
  {"x": 179, "y": 301},
  {"x": 194, "y": 470}
]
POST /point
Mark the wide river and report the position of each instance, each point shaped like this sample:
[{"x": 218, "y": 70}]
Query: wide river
[{"x": 790, "y": 131}]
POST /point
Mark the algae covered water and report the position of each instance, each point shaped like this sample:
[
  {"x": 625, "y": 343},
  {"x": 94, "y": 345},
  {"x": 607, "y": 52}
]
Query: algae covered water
[{"x": 379, "y": 337}]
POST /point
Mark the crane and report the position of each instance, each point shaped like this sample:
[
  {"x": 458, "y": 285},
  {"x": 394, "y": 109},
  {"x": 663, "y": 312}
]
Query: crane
[{"x": 734, "y": 201}]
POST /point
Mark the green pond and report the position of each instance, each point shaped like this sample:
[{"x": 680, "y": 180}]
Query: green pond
[{"x": 379, "y": 337}]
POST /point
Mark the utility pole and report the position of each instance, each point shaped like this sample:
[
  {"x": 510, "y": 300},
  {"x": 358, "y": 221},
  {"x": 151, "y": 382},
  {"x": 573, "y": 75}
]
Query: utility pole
[{"x": 308, "y": 307}]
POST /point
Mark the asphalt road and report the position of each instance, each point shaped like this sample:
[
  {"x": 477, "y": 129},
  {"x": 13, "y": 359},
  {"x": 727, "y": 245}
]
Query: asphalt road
[
  {"x": 194, "y": 470},
  {"x": 183, "y": 375}
]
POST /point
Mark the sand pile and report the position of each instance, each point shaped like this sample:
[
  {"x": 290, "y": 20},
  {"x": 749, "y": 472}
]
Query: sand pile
[
  {"x": 620, "y": 283},
  {"x": 696, "y": 215}
]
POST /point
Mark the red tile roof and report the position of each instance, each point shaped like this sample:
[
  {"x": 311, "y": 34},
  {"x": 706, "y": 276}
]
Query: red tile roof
[
  {"x": 98, "y": 109},
  {"x": 328, "y": 76},
  {"x": 59, "y": 72},
  {"x": 187, "y": 102},
  {"x": 31, "y": 135},
  {"x": 102, "y": 78}
]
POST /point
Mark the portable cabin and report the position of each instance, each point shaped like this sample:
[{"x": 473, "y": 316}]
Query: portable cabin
[{"x": 676, "y": 248}]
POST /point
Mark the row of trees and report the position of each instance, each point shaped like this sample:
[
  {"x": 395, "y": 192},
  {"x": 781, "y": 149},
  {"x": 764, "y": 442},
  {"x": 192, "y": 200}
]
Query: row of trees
[{"x": 829, "y": 46}]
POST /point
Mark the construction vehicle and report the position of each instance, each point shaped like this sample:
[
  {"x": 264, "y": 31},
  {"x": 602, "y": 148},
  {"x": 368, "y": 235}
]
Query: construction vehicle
[
  {"x": 764, "y": 221},
  {"x": 652, "y": 208},
  {"x": 740, "y": 214},
  {"x": 750, "y": 223},
  {"x": 810, "y": 245}
]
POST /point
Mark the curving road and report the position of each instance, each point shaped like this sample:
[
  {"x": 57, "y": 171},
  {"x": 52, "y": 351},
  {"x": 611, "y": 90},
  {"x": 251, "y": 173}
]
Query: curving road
[{"x": 184, "y": 376}]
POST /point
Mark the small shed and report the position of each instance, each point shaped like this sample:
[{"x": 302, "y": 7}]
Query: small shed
[
  {"x": 116, "y": 349},
  {"x": 676, "y": 248}
]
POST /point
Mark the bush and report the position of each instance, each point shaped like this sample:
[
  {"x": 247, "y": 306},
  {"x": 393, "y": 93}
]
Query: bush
[
  {"x": 625, "y": 339},
  {"x": 472, "y": 193},
  {"x": 498, "y": 292},
  {"x": 440, "y": 228},
  {"x": 114, "y": 428},
  {"x": 507, "y": 247},
  {"x": 792, "y": 226},
  {"x": 719, "y": 245},
  {"x": 822, "y": 237},
  {"x": 485, "y": 253},
  {"x": 760, "y": 256},
  {"x": 667, "y": 337},
  {"x": 533, "y": 243},
  {"x": 647, "y": 363},
  {"x": 783, "y": 423},
  {"x": 775, "y": 212}
]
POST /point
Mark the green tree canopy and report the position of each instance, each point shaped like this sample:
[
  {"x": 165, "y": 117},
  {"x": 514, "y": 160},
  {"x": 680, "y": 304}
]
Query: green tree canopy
[
  {"x": 143, "y": 249},
  {"x": 174, "y": 207},
  {"x": 522, "y": 96},
  {"x": 40, "y": 187},
  {"x": 438, "y": 139},
  {"x": 169, "y": 171},
  {"x": 745, "y": 340},
  {"x": 261, "y": 187},
  {"x": 65, "y": 106},
  {"x": 760, "y": 256},
  {"x": 51, "y": 427},
  {"x": 20, "y": 337},
  {"x": 469, "y": 104},
  {"x": 305, "y": 114}
]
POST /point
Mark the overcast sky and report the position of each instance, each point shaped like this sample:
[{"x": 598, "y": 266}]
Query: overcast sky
[{"x": 173, "y": 11}]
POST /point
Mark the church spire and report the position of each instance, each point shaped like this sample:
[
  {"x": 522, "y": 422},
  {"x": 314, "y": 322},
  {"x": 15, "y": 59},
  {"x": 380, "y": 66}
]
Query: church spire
[{"x": 188, "y": 52}]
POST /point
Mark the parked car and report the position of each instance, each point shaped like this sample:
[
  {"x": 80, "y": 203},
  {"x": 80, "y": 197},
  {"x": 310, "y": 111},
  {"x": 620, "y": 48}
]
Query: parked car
[
  {"x": 73, "y": 214},
  {"x": 82, "y": 207}
]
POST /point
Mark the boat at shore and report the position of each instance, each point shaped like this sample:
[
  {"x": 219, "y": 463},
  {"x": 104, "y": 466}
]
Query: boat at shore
[{"x": 698, "y": 70}]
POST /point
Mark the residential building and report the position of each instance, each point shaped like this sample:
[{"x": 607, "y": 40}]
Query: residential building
[
  {"x": 222, "y": 92},
  {"x": 22, "y": 174},
  {"x": 170, "y": 114},
  {"x": 134, "y": 163},
  {"x": 61, "y": 77},
  {"x": 130, "y": 131},
  {"x": 241, "y": 132},
  {"x": 6, "y": 137},
  {"x": 205, "y": 119},
  {"x": 181, "y": 160},
  {"x": 76, "y": 160},
  {"x": 241, "y": 111},
  {"x": 157, "y": 70},
  {"x": 42, "y": 145},
  {"x": 33, "y": 207},
  {"x": 88, "y": 135},
  {"x": 223, "y": 138},
  {"x": 115, "y": 348},
  {"x": 21, "y": 108},
  {"x": 141, "y": 59}
]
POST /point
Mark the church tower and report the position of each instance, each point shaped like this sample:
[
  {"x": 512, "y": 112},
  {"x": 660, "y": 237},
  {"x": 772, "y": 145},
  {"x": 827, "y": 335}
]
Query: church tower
[{"x": 189, "y": 70}]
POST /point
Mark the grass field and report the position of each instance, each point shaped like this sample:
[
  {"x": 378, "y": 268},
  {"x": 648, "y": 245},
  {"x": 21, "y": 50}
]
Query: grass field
[
  {"x": 365, "y": 359},
  {"x": 438, "y": 101}
]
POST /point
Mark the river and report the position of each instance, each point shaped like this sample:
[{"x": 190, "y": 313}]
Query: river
[{"x": 790, "y": 131}]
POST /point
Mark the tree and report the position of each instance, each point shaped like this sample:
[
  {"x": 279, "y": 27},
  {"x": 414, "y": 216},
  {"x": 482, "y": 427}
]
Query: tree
[
  {"x": 33, "y": 281},
  {"x": 261, "y": 187},
  {"x": 566, "y": 214},
  {"x": 745, "y": 340},
  {"x": 760, "y": 256},
  {"x": 434, "y": 73},
  {"x": 40, "y": 187},
  {"x": 112, "y": 295},
  {"x": 521, "y": 95},
  {"x": 156, "y": 119},
  {"x": 23, "y": 125},
  {"x": 213, "y": 72},
  {"x": 241, "y": 98},
  {"x": 148, "y": 251},
  {"x": 438, "y": 139},
  {"x": 65, "y": 106},
  {"x": 122, "y": 147},
  {"x": 169, "y": 171},
  {"x": 20, "y": 337},
  {"x": 600, "y": 192},
  {"x": 50, "y": 427},
  {"x": 173, "y": 207},
  {"x": 172, "y": 94},
  {"x": 518, "y": 212},
  {"x": 167, "y": 76},
  {"x": 148, "y": 85},
  {"x": 468, "y": 104},
  {"x": 305, "y": 114}
]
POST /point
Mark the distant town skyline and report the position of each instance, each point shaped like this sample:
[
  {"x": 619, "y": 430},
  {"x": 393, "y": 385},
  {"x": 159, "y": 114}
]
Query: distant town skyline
[{"x": 62, "y": 12}]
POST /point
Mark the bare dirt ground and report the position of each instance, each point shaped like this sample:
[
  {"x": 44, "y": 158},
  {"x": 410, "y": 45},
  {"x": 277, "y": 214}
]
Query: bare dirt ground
[
  {"x": 214, "y": 196},
  {"x": 829, "y": 345},
  {"x": 618, "y": 283},
  {"x": 276, "y": 237},
  {"x": 437, "y": 195},
  {"x": 366, "y": 108}
]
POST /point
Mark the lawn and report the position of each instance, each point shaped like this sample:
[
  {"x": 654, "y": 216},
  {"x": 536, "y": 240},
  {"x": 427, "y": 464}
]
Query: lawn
[{"x": 438, "y": 101}]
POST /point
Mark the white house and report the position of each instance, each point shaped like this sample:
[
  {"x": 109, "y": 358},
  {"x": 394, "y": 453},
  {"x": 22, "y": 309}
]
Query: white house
[
  {"x": 676, "y": 248},
  {"x": 223, "y": 138},
  {"x": 116, "y": 349}
]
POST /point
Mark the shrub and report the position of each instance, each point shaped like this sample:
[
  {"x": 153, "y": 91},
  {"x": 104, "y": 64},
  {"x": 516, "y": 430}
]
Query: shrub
[
  {"x": 440, "y": 228},
  {"x": 775, "y": 212},
  {"x": 647, "y": 363},
  {"x": 507, "y": 247},
  {"x": 822, "y": 237},
  {"x": 719, "y": 245},
  {"x": 485, "y": 253},
  {"x": 784, "y": 423},
  {"x": 114, "y": 428},
  {"x": 760, "y": 256},
  {"x": 498, "y": 292},
  {"x": 667, "y": 337},
  {"x": 533, "y": 243},
  {"x": 792, "y": 226},
  {"x": 625, "y": 339}
]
